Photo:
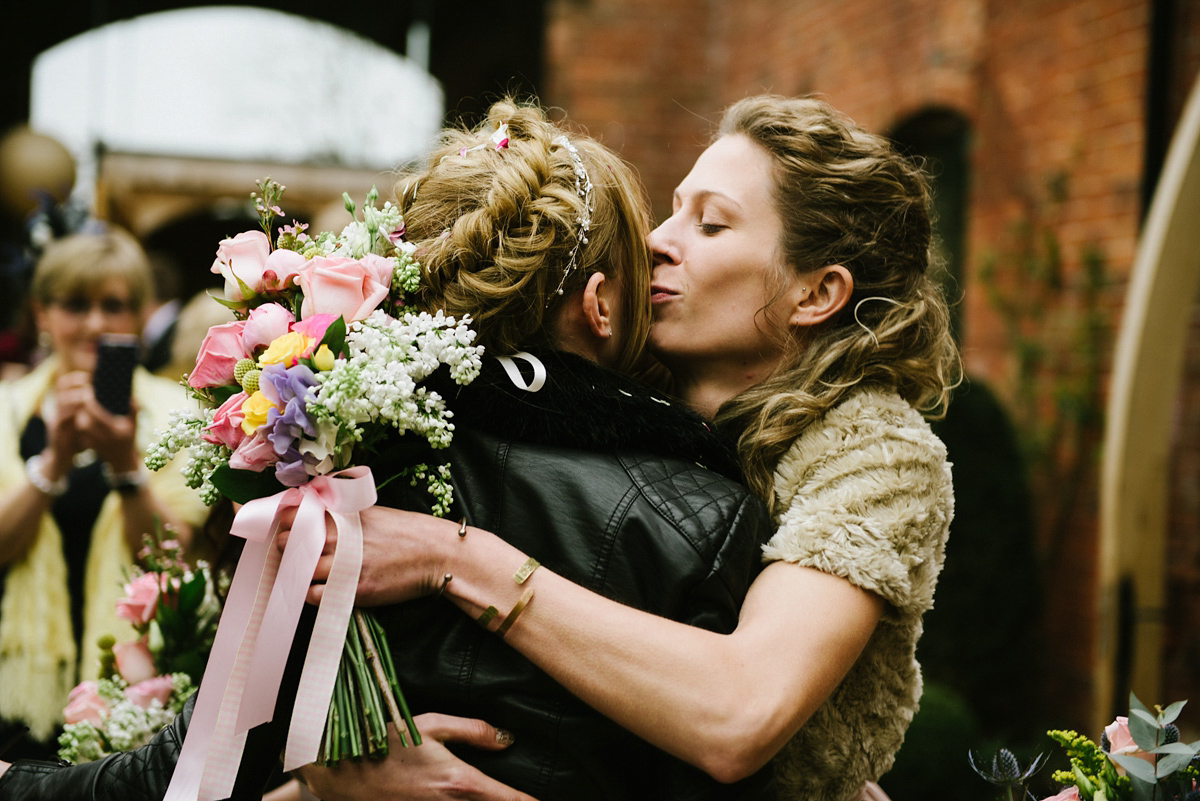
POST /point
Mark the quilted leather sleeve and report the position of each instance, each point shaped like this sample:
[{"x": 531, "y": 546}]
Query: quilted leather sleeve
[{"x": 129, "y": 776}]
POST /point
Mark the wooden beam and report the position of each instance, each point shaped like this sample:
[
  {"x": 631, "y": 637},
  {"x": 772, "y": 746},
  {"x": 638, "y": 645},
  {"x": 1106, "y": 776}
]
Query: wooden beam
[{"x": 1147, "y": 370}]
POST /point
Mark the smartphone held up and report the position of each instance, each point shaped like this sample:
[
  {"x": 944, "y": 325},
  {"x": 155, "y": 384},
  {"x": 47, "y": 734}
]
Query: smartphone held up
[{"x": 116, "y": 358}]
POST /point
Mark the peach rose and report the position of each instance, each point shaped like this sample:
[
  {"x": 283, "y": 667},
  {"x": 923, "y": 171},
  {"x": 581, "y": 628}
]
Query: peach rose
[
  {"x": 1120, "y": 741},
  {"x": 349, "y": 288},
  {"x": 141, "y": 599},
  {"x": 221, "y": 350},
  {"x": 135, "y": 663},
  {"x": 142, "y": 693},
  {"x": 1068, "y": 794},
  {"x": 85, "y": 703}
]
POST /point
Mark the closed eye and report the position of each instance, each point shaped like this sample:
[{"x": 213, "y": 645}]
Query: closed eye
[{"x": 709, "y": 229}]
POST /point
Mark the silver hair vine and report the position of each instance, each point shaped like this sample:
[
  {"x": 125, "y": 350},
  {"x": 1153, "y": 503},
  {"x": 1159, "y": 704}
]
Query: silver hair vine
[{"x": 583, "y": 188}]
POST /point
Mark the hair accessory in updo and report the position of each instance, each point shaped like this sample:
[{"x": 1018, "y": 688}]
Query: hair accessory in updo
[
  {"x": 583, "y": 187},
  {"x": 499, "y": 140}
]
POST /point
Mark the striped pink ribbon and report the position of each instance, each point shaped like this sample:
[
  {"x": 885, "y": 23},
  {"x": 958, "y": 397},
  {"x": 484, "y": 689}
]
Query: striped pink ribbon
[{"x": 258, "y": 626}]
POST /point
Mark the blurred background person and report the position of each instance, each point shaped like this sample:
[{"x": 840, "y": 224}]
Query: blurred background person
[{"x": 75, "y": 498}]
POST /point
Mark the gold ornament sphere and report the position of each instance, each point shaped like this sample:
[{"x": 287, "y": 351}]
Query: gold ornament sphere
[{"x": 31, "y": 163}]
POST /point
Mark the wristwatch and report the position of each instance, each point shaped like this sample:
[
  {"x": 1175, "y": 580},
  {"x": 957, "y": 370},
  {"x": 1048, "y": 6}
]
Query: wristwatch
[
  {"x": 124, "y": 483},
  {"x": 36, "y": 472}
]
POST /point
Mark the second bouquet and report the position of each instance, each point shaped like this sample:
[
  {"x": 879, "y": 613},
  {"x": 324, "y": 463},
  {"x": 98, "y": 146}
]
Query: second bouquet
[{"x": 324, "y": 361}]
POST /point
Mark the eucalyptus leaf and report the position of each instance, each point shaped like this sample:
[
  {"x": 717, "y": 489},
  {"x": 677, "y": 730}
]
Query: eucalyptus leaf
[
  {"x": 1134, "y": 703},
  {"x": 1174, "y": 748},
  {"x": 1135, "y": 767},
  {"x": 1144, "y": 729},
  {"x": 1169, "y": 764},
  {"x": 1172, "y": 712},
  {"x": 1145, "y": 791}
]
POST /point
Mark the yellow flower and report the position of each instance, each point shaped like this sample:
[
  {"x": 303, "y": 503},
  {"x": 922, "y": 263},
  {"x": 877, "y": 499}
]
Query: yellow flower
[
  {"x": 254, "y": 411},
  {"x": 323, "y": 359},
  {"x": 287, "y": 349}
]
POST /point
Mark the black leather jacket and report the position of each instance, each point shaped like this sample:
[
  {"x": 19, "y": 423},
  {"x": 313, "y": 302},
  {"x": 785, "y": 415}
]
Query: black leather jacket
[{"x": 615, "y": 488}]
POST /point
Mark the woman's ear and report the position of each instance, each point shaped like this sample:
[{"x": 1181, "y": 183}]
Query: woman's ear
[
  {"x": 597, "y": 306},
  {"x": 820, "y": 295}
]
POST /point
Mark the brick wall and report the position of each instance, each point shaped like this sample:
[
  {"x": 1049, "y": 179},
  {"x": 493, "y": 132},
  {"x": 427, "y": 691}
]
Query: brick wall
[{"x": 1054, "y": 91}]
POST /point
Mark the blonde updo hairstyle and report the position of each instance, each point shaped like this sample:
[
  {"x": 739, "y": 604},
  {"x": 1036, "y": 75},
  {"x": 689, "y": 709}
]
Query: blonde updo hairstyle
[
  {"x": 495, "y": 229},
  {"x": 845, "y": 196},
  {"x": 80, "y": 264}
]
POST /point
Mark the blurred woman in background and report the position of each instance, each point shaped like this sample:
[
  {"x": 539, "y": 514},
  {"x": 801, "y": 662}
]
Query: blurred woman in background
[{"x": 75, "y": 499}]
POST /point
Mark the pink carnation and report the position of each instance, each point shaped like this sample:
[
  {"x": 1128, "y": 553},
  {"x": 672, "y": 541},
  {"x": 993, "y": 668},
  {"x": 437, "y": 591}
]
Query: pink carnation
[
  {"x": 315, "y": 326},
  {"x": 255, "y": 453},
  {"x": 142, "y": 693},
  {"x": 141, "y": 599},
  {"x": 226, "y": 427}
]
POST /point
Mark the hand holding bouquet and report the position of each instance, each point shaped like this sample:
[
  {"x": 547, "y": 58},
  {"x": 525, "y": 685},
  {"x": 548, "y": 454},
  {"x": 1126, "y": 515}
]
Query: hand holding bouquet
[{"x": 324, "y": 362}]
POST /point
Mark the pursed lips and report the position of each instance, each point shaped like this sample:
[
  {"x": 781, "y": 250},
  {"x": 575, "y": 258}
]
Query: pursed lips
[{"x": 659, "y": 294}]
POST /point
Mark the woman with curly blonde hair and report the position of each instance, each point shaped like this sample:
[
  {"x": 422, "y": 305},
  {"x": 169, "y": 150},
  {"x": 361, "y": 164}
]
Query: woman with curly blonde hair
[
  {"x": 538, "y": 234},
  {"x": 794, "y": 306}
]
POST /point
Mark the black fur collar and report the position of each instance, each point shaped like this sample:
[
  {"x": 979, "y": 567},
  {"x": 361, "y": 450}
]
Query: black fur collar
[{"x": 586, "y": 406}]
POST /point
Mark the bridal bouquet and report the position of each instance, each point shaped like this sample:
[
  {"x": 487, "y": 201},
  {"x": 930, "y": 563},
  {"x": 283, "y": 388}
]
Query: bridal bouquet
[
  {"x": 1139, "y": 758},
  {"x": 323, "y": 362},
  {"x": 143, "y": 684}
]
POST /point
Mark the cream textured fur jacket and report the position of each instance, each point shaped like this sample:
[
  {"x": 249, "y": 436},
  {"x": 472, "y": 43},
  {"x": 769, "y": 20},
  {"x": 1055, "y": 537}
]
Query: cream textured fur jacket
[{"x": 864, "y": 494}]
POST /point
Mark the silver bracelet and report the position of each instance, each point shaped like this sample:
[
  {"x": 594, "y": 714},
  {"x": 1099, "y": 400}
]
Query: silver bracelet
[
  {"x": 35, "y": 472},
  {"x": 124, "y": 482}
]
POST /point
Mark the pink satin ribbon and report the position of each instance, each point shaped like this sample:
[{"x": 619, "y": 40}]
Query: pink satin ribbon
[{"x": 258, "y": 626}]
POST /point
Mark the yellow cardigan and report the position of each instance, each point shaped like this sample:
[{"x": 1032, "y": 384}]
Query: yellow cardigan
[{"x": 38, "y": 660}]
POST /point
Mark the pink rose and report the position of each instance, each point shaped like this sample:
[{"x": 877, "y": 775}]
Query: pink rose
[
  {"x": 85, "y": 703},
  {"x": 1068, "y": 794},
  {"x": 221, "y": 350},
  {"x": 248, "y": 257},
  {"x": 315, "y": 326},
  {"x": 1120, "y": 741},
  {"x": 135, "y": 663},
  {"x": 255, "y": 453},
  {"x": 226, "y": 427},
  {"x": 281, "y": 269},
  {"x": 348, "y": 288},
  {"x": 242, "y": 257},
  {"x": 140, "y": 601},
  {"x": 265, "y": 324},
  {"x": 142, "y": 693}
]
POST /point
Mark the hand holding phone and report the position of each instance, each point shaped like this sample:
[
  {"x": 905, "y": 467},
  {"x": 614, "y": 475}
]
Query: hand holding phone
[{"x": 116, "y": 358}]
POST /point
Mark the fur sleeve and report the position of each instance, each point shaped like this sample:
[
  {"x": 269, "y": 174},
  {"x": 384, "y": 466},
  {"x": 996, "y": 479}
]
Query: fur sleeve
[{"x": 866, "y": 495}]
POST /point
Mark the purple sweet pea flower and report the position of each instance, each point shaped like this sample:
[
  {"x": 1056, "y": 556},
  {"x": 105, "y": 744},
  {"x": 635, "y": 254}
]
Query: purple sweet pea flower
[
  {"x": 291, "y": 469},
  {"x": 288, "y": 387}
]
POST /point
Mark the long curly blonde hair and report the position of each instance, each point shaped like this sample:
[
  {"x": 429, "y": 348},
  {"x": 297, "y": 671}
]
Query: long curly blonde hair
[
  {"x": 845, "y": 197},
  {"x": 495, "y": 229}
]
